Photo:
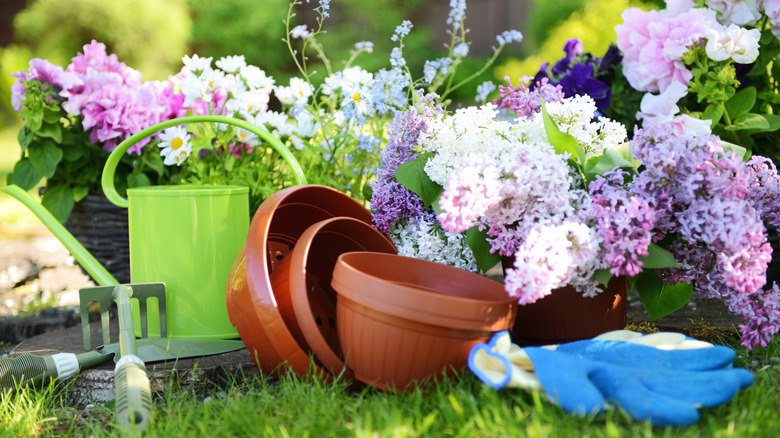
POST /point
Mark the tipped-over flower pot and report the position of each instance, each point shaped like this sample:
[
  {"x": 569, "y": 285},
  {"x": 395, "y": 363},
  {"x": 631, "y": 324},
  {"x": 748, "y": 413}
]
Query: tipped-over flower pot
[
  {"x": 402, "y": 320},
  {"x": 275, "y": 228},
  {"x": 302, "y": 287}
]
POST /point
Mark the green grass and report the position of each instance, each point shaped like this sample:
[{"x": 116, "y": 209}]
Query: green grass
[{"x": 462, "y": 407}]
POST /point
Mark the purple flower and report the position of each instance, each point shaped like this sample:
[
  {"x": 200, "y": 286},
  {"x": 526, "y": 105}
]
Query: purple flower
[
  {"x": 580, "y": 81},
  {"x": 572, "y": 48},
  {"x": 391, "y": 202},
  {"x": 712, "y": 203},
  {"x": 764, "y": 190},
  {"x": 625, "y": 222}
]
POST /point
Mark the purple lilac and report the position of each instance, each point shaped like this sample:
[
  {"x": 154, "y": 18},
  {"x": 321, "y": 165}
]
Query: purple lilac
[
  {"x": 525, "y": 101},
  {"x": 764, "y": 190},
  {"x": 761, "y": 310},
  {"x": 624, "y": 221},
  {"x": 704, "y": 196},
  {"x": 391, "y": 202}
]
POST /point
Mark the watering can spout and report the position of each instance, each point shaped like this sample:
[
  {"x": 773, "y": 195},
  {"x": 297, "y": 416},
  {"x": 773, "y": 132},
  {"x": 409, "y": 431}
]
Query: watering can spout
[{"x": 85, "y": 259}]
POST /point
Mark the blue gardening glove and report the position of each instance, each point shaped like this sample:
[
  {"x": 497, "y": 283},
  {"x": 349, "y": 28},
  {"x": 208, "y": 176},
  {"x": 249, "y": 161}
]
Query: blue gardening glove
[{"x": 664, "y": 381}]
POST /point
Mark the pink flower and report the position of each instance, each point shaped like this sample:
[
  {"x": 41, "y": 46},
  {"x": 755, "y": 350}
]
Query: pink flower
[
  {"x": 739, "y": 12},
  {"x": 95, "y": 58},
  {"x": 772, "y": 10},
  {"x": 43, "y": 71},
  {"x": 654, "y": 42}
]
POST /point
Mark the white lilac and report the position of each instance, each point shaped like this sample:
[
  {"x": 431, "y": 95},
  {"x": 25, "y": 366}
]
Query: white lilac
[{"x": 424, "y": 239}]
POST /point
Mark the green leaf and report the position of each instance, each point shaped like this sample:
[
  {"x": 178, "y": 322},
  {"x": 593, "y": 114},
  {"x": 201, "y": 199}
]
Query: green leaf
[
  {"x": 34, "y": 121},
  {"x": 737, "y": 149},
  {"x": 603, "y": 276},
  {"x": 25, "y": 137},
  {"x": 25, "y": 175},
  {"x": 80, "y": 192},
  {"x": 154, "y": 162},
  {"x": 411, "y": 175},
  {"x": 606, "y": 162},
  {"x": 477, "y": 241},
  {"x": 749, "y": 121},
  {"x": 59, "y": 201},
  {"x": 561, "y": 141},
  {"x": 52, "y": 131},
  {"x": 713, "y": 112},
  {"x": 50, "y": 116},
  {"x": 774, "y": 121},
  {"x": 72, "y": 151},
  {"x": 659, "y": 298},
  {"x": 657, "y": 258},
  {"x": 45, "y": 155},
  {"x": 138, "y": 179},
  {"x": 741, "y": 102}
]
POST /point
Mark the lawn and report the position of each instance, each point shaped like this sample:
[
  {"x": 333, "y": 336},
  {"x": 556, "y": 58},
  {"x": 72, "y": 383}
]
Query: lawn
[{"x": 462, "y": 406}]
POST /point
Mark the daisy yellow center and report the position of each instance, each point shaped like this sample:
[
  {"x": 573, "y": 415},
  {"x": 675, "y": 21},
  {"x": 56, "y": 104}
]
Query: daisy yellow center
[
  {"x": 176, "y": 143},
  {"x": 357, "y": 97}
]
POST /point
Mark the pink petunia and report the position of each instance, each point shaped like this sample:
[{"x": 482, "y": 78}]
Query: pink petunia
[{"x": 654, "y": 42}]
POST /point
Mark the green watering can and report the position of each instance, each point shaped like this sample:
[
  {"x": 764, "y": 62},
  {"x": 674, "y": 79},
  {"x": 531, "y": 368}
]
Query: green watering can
[{"x": 186, "y": 236}]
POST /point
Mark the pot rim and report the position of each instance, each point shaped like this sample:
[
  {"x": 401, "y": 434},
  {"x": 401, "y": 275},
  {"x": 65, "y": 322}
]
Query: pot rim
[{"x": 411, "y": 302}]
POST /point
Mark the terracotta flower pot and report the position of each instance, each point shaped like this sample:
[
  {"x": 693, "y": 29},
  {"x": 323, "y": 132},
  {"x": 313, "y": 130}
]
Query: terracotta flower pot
[
  {"x": 401, "y": 320},
  {"x": 565, "y": 315},
  {"x": 275, "y": 228},
  {"x": 302, "y": 287}
]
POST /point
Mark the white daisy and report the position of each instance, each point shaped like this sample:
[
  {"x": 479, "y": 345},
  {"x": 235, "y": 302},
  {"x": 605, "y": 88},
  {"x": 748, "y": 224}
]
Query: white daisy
[
  {"x": 196, "y": 63},
  {"x": 175, "y": 145},
  {"x": 232, "y": 64}
]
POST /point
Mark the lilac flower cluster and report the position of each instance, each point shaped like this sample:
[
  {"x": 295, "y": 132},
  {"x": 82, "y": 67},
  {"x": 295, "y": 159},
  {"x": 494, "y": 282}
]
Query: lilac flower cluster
[
  {"x": 526, "y": 101},
  {"x": 624, "y": 220},
  {"x": 765, "y": 188},
  {"x": 699, "y": 194},
  {"x": 391, "y": 202}
]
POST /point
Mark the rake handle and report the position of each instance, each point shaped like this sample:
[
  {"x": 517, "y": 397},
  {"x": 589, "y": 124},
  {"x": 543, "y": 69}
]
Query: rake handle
[
  {"x": 28, "y": 368},
  {"x": 133, "y": 390}
]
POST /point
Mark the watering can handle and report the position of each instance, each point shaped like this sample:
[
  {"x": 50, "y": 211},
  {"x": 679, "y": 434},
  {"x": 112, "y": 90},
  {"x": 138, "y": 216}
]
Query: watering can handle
[{"x": 107, "y": 180}]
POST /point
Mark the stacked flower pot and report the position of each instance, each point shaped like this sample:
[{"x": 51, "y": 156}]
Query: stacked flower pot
[{"x": 316, "y": 289}]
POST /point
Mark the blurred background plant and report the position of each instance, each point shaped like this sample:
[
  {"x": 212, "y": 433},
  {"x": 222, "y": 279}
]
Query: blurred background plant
[{"x": 152, "y": 36}]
